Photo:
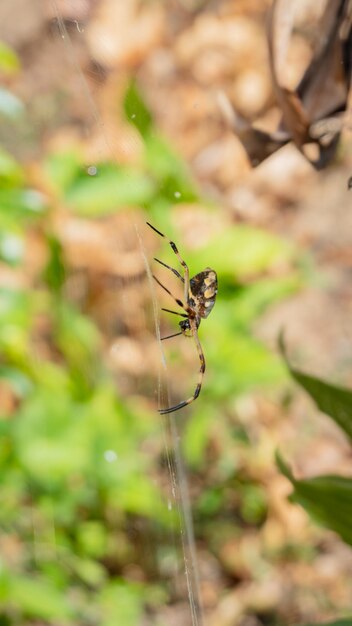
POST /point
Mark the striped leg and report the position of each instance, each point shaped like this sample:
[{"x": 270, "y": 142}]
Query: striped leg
[
  {"x": 183, "y": 263},
  {"x": 175, "y": 312},
  {"x": 170, "y": 268},
  {"x": 170, "y": 336},
  {"x": 179, "y": 302},
  {"x": 200, "y": 375}
]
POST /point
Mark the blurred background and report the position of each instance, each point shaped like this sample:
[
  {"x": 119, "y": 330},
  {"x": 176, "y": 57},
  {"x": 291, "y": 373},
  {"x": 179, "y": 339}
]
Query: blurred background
[{"x": 113, "y": 113}]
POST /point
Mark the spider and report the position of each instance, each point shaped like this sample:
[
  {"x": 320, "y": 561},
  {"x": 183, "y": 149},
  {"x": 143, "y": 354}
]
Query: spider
[{"x": 199, "y": 299}]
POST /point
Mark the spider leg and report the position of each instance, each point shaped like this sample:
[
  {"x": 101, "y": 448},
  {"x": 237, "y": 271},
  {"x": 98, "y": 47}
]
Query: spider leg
[
  {"x": 175, "y": 312},
  {"x": 170, "y": 336},
  {"x": 200, "y": 375},
  {"x": 170, "y": 268},
  {"x": 183, "y": 263},
  {"x": 179, "y": 302}
]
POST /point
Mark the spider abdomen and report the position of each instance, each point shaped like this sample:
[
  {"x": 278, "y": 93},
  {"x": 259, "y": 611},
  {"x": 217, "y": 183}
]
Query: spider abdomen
[{"x": 202, "y": 291}]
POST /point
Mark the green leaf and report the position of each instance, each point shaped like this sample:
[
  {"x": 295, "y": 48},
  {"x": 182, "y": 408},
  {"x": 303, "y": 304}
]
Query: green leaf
[
  {"x": 330, "y": 399},
  {"x": 210, "y": 502},
  {"x": 22, "y": 202},
  {"x": 19, "y": 381},
  {"x": 54, "y": 273},
  {"x": 196, "y": 436},
  {"x": 77, "y": 335},
  {"x": 16, "y": 316},
  {"x": 111, "y": 188},
  {"x": 11, "y": 173},
  {"x": 4, "y": 582},
  {"x": 50, "y": 433},
  {"x": 136, "y": 110},
  {"x": 121, "y": 603},
  {"x": 253, "y": 503},
  {"x": 92, "y": 538},
  {"x": 89, "y": 570},
  {"x": 15, "y": 307},
  {"x": 37, "y": 598},
  {"x": 252, "y": 300},
  {"x": 140, "y": 496},
  {"x": 9, "y": 61},
  {"x": 62, "y": 169},
  {"x": 244, "y": 362},
  {"x": 328, "y": 499},
  {"x": 175, "y": 181},
  {"x": 241, "y": 252}
]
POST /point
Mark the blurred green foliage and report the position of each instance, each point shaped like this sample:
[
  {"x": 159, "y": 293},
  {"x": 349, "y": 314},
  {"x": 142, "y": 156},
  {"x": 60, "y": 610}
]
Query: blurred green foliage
[
  {"x": 73, "y": 477},
  {"x": 71, "y": 473},
  {"x": 328, "y": 499},
  {"x": 79, "y": 499}
]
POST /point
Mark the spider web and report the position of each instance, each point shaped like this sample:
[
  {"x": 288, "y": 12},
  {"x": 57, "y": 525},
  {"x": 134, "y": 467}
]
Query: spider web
[
  {"x": 178, "y": 479},
  {"x": 187, "y": 570}
]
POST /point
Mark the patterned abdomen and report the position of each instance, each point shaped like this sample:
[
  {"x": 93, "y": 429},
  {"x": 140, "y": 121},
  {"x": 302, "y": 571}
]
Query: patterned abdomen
[{"x": 203, "y": 290}]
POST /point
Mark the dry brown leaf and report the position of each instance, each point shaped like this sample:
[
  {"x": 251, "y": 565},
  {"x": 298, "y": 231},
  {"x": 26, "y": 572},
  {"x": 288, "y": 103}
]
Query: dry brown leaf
[{"x": 314, "y": 112}]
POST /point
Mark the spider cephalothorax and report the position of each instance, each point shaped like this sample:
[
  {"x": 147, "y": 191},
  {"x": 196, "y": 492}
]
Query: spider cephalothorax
[
  {"x": 199, "y": 299},
  {"x": 186, "y": 327}
]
